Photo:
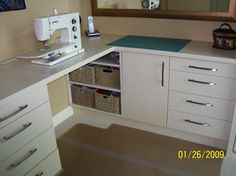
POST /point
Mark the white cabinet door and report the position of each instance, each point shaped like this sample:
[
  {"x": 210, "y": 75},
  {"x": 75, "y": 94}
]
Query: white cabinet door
[{"x": 145, "y": 87}]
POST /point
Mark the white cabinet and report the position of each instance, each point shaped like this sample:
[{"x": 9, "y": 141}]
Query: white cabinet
[
  {"x": 203, "y": 67},
  {"x": 201, "y": 97},
  {"x": 25, "y": 129},
  {"x": 49, "y": 167},
  {"x": 145, "y": 87},
  {"x": 200, "y": 84},
  {"x": 31, "y": 154},
  {"x": 199, "y": 125},
  {"x": 26, "y": 133},
  {"x": 200, "y": 105},
  {"x": 21, "y": 104}
]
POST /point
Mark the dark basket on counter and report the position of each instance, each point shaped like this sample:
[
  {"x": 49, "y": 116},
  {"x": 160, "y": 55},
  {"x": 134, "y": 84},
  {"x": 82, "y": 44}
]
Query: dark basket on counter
[{"x": 224, "y": 38}]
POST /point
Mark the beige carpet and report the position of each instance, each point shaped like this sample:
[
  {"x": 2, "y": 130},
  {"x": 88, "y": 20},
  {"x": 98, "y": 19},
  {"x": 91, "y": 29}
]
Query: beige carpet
[{"x": 122, "y": 151}]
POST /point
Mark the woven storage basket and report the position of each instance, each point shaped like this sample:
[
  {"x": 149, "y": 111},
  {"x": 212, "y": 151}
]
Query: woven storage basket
[
  {"x": 106, "y": 102},
  {"x": 83, "y": 96},
  {"x": 115, "y": 102},
  {"x": 85, "y": 74},
  {"x": 107, "y": 76}
]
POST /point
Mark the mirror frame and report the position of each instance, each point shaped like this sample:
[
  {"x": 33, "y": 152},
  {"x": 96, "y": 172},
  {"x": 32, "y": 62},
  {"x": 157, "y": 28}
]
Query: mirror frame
[{"x": 173, "y": 14}]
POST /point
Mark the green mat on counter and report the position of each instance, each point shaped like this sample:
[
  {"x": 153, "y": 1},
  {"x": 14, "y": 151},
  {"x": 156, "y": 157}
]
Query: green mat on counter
[{"x": 153, "y": 43}]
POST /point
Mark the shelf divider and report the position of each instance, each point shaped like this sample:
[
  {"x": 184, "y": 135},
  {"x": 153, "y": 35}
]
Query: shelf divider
[{"x": 96, "y": 86}]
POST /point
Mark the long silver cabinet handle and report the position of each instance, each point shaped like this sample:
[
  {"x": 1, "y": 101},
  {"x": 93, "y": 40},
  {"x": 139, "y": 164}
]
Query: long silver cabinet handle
[
  {"x": 163, "y": 74},
  {"x": 39, "y": 174},
  {"x": 202, "y": 82},
  {"x": 21, "y": 108},
  {"x": 197, "y": 123},
  {"x": 24, "y": 127},
  {"x": 198, "y": 103},
  {"x": 203, "y": 68},
  {"x": 28, "y": 155}
]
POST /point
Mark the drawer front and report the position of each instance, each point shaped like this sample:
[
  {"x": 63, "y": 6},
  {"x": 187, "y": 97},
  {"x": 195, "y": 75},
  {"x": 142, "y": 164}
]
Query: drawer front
[
  {"x": 199, "y": 105},
  {"x": 199, "y": 125},
  {"x": 203, "y": 67},
  {"x": 48, "y": 167},
  {"x": 23, "y": 130},
  {"x": 210, "y": 86},
  {"x": 21, "y": 105},
  {"x": 30, "y": 155}
]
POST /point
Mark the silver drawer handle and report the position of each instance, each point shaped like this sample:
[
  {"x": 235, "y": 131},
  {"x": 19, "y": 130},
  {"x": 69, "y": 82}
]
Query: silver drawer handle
[
  {"x": 203, "y": 68},
  {"x": 163, "y": 74},
  {"x": 39, "y": 174},
  {"x": 197, "y": 123},
  {"x": 202, "y": 82},
  {"x": 21, "y": 108},
  {"x": 24, "y": 127},
  {"x": 198, "y": 103},
  {"x": 16, "y": 164}
]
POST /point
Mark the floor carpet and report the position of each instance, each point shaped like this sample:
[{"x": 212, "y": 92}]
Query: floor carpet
[{"x": 122, "y": 151}]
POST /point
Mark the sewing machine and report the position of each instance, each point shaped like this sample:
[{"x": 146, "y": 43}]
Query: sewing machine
[{"x": 69, "y": 43}]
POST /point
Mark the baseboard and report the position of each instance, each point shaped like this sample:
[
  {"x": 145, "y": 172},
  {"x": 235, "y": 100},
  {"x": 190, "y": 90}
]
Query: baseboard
[
  {"x": 104, "y": 121},
  {"x": 88, "y": 121},
  {"x": 62, "y": 116}
]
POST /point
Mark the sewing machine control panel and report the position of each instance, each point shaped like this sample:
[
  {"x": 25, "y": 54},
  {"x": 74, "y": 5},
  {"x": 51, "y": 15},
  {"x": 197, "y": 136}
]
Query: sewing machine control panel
[
  {"x": 74, "y": 21},
  {"x": 74, "y": 28}
]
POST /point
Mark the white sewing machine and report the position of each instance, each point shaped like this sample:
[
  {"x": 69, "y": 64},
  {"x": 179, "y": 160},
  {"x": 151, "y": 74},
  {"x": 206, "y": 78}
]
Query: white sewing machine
[{"x": 70, "y": 39}]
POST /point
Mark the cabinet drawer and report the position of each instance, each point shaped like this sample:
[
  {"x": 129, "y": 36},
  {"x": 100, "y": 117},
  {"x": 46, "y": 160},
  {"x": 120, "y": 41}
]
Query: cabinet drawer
[
  {"x": 203, "y": 67},
  {"x": 22, "y": 104},
  {"x": 199, "y": 125},
  {"x": 48, "y": 167},
  {"x": 30, "y": 155},
  {"x": 199, "y": 105},
  {"x": 23, "y": 130},
  {"x": 203, "y": 85}
]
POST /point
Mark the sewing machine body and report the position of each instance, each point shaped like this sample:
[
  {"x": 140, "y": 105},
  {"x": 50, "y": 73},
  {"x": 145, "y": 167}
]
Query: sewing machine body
[{"x": 69, "y": 42}]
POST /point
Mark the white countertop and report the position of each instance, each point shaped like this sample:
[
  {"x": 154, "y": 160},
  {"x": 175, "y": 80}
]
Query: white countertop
[
  {"x": 13, "y": 81},
  {"x": 17, "y": 75},
  {"x": 205, "y": 51}
]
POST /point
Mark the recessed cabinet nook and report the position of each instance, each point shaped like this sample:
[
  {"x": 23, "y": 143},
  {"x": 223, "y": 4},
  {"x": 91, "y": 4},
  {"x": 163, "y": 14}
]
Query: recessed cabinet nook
[{"x": 97, "y": 85}]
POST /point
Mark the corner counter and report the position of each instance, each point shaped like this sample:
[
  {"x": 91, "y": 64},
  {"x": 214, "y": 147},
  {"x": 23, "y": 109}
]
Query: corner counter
[
  {"x": 95, "y": 48},
  {"x": 18, "y": 75}
]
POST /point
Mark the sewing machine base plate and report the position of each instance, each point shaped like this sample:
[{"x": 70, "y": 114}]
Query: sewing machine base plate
[{"x": 46, "y": 62}]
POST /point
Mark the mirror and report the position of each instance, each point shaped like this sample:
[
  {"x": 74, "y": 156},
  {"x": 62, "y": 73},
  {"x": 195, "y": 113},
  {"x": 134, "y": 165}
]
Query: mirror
[{"x": 219, "y": 10}]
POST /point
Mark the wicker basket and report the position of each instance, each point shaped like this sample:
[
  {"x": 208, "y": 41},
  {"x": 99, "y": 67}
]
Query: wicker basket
[
  {"x": 107, "y": 76},
  {"x": 105, "y": 101},
  {"x": 115, "y": 102},
  {"x": 85, "y": 74},
  {"x": 83, "y": 96}
]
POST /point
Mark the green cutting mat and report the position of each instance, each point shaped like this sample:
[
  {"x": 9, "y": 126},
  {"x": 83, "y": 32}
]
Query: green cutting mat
[{"x": 154, "y": 43}]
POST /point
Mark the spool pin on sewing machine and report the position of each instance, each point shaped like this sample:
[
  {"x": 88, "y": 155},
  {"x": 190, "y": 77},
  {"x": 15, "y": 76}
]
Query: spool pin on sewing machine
[{"x": 70, "y": 39}]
